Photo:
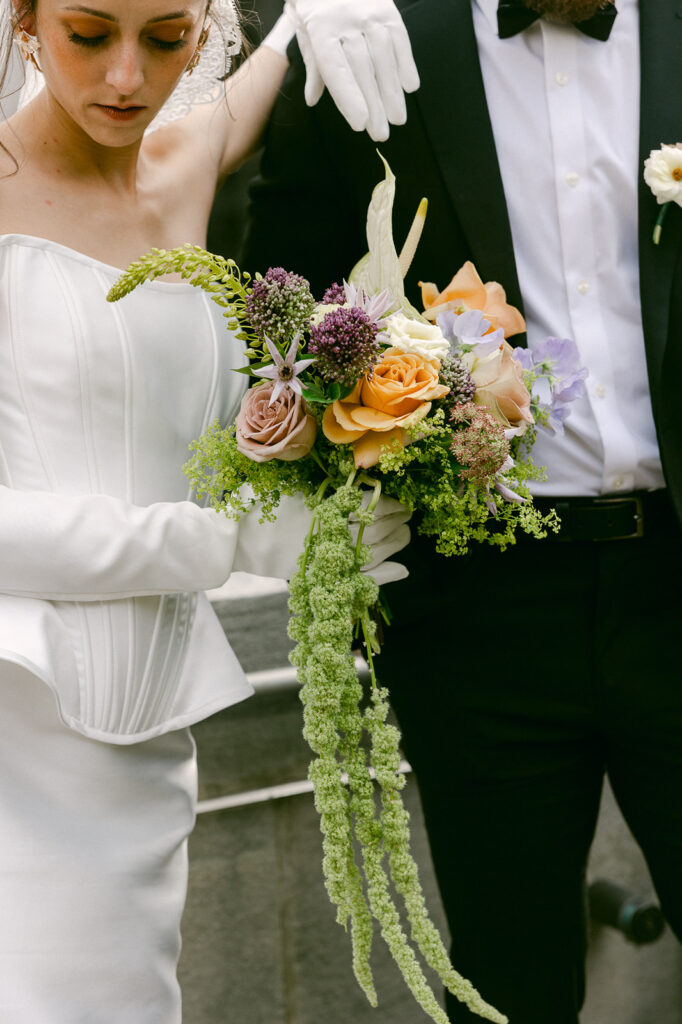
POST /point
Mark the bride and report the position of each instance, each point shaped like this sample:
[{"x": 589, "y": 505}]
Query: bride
[{"x": 109, "y": 649}]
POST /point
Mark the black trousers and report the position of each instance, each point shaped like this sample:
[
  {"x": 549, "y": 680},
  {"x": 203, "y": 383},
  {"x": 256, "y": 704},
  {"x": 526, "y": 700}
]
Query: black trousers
[{"x": 519, "y": 680}]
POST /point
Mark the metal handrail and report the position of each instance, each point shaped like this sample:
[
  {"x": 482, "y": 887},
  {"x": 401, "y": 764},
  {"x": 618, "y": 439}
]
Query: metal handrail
[
  {"x": 268, "y": 793},
  {"x": 276, "y": 680}
]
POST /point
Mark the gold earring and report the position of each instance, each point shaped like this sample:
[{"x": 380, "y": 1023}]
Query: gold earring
[
  {"x": 196, "y": 56},
  {"x": 29, "y": 46}
]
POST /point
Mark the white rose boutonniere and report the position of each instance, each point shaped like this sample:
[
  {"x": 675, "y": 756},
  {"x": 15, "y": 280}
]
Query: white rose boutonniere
[
  {"x": 663, "y": 175},
  {"x": 416, "y": 336}
]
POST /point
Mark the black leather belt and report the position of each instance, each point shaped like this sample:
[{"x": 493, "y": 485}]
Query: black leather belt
[{"x": 612, "y": 517}]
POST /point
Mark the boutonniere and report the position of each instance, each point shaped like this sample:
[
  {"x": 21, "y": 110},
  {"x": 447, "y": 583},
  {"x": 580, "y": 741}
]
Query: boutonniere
[{"x": 663, "y": 175}]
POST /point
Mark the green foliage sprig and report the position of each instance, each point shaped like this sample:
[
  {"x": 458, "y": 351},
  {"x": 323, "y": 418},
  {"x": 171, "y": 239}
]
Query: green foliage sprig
[
  {"x": 424, "y": 476},
  {"x": 221, "y": 278},
  {"x": 329, "y": 596}
]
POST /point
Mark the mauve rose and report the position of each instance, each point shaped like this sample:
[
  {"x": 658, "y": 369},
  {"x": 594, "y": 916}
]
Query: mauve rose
[{"x": 284, "y": 430}]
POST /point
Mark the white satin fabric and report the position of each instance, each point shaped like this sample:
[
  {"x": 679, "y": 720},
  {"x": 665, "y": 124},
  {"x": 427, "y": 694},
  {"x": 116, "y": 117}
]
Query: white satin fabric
[
  {"x": 103, "y": 557},
  {"x": 93, "y": 867}
]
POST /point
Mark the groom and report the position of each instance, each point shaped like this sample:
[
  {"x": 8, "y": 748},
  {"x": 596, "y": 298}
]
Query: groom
[{"x": 520, "y": 678}]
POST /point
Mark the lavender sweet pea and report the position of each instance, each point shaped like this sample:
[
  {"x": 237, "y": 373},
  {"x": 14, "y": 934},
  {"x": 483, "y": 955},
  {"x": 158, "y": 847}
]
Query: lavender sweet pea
[
  {"x": 560, "y": 378},
  {"x": 469, "y": 328}
]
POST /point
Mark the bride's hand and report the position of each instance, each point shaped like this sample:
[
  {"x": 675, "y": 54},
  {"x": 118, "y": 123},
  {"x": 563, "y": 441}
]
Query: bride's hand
[
  {"x": 359, "y": 50},
  {"x": 386, "y": 535}
]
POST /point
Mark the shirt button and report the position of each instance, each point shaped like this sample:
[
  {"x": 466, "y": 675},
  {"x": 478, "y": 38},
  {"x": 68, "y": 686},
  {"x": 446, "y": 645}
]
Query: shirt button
[
  {"x": 600, "y": 391},
  {"x": 618, "y": 483},
  {"x": 583, "y": 287},
  {"x": 572, "y": 179},
  {"x": 561, "y": 78}
]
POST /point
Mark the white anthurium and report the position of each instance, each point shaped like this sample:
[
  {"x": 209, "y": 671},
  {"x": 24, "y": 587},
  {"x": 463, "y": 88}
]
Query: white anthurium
[{"x": 381, "y": 268}]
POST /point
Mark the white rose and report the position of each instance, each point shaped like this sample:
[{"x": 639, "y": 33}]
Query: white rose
[
  {"x": 663, "y": 173},
  {"x": 417, "y": 337}
]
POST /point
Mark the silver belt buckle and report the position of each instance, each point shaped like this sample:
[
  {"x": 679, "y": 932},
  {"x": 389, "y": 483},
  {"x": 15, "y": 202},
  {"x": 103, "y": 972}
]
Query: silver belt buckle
[{"x": 638, "y": 515}]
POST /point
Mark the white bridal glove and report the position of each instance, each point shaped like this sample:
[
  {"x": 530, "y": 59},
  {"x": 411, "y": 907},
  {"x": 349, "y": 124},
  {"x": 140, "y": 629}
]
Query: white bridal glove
[
  {"x": 388, "y": 534},
  {"x": 359, "y": 50},
  {"x": 272, "y": 549}
]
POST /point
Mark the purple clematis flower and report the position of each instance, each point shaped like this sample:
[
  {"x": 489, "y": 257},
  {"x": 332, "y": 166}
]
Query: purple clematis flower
[{"x": 284, "y": 371}]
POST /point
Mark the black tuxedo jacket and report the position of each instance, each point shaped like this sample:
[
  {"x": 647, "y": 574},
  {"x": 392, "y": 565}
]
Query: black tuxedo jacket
[{"x": 308, "y": 206}]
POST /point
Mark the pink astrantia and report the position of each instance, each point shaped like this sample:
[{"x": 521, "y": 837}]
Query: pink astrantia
[{"x": 284, "y": 370}]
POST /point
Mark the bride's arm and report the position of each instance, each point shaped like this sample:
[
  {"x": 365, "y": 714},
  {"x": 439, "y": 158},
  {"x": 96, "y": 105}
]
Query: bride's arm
[
  {"x": 95, "y": 547},
  {"x": 237, "y": 122}
]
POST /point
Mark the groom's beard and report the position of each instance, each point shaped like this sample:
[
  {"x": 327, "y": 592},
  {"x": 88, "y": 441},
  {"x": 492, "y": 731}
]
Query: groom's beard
[{"x": 567, "y": 10}]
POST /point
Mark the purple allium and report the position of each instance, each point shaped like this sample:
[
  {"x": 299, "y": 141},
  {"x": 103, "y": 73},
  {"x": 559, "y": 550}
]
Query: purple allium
[
  {"x": 335, "y": 295},
  {"x": 479, "y": 445},
  {"x": 454, "y": 374},
  {"x": 345, "y": 345},
  {"x": 280, "y": 304}
]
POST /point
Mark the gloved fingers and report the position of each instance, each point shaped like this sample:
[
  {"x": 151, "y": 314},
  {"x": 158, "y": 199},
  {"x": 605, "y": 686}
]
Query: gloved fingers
[
  {"x": 402, "y": 49},
  {"x": 380, "y": 46},
  {"x": 314, "y": 84},
  {"x": 361, "y": 64},
  {"x": 342, "y": 82},
  {"x": 389, "y": 572},
  {"x": 388, "y": 545},
  {"x": 386, "y": 507},
  {"x": 380, "y": 530}
]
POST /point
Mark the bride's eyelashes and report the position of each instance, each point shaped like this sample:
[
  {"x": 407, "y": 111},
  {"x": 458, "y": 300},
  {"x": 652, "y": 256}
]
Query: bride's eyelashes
[{"x": 95, "y": 42}]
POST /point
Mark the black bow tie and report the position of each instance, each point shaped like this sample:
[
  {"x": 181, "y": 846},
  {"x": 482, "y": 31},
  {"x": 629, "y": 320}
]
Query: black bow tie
[{"x": 513, "y": 17}]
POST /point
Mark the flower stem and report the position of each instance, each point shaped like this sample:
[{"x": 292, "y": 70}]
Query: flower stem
[
  {"x": 316, "y": 458},
  {"x": 658, "y": 230},
  {"x": 371, "y": 646},
  {"x": 374, "y": 500}
]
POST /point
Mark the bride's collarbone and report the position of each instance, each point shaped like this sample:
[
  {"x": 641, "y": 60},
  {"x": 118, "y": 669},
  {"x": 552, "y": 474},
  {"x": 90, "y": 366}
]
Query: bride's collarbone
[{"x": 113, "y": 230}]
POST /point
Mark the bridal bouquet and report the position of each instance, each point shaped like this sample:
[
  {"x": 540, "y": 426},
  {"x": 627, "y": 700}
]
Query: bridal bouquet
[{"x": 360, "y": 393}]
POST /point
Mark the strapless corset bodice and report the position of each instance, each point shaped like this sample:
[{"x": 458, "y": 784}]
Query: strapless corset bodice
[
  {"x": 103, "y": 399},
  {"x": 98, "y": 397}
]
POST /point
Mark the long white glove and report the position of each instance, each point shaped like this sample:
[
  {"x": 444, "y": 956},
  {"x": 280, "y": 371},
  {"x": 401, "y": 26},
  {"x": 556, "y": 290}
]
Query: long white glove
[
  {"x": 94, "y": 547},
  {"x": 97, "y": 548},
  {"x": 359, "y": 50}
]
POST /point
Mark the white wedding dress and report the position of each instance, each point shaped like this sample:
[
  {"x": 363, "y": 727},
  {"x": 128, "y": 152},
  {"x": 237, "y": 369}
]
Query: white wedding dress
[{"x": 108, "y": 647}]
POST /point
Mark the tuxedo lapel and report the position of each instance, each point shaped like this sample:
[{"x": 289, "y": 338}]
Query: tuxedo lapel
[
  {"x": 455, "y": 113},
  {"x": 660, "y": 122}
]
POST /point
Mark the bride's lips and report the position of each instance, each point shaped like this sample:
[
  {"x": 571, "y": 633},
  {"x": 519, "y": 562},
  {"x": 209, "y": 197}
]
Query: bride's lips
[{"x": 120, "y": 113}]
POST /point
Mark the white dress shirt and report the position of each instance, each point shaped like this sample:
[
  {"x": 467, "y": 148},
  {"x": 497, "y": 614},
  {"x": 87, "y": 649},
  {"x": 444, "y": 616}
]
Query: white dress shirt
[{"x": 565, "y": 115}]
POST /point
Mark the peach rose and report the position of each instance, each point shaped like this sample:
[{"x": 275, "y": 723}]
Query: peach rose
[
  {"x": 284, "y": 430},
  {"x": 467, "y": 291},
  {"x": 500, "y": 386},
  {"x": 396, "y": 395}
]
